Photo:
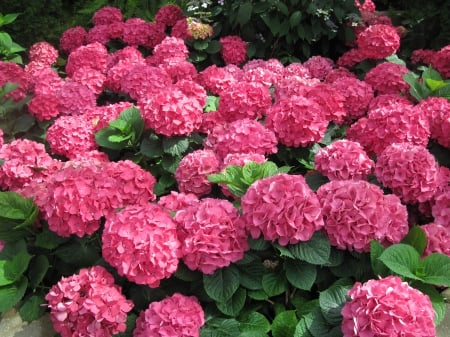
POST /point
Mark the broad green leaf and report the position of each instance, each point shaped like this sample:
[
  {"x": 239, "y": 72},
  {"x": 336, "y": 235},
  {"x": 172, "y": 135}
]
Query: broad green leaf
[
  {"x": 220, "y": 328},
  {"x": 11, "y": 249},
  {"x": 416, "y": 238},
  {"x": 283, "y": 251},
  {"x": 331, "y": 301},
  {"x": 301, "y": 330},
  {"x": 250, "y": 275},
  {"x": 200, "y": 44},
  {"x": 442, "y": 92},
  {"x": 5, "y": 41},
  {"x": 434, "y": 84},
  {"x": 395, "y": 59},
  {"x": 175, "y": 146},
  {"x": 315, "y": 179},
  {"x": 378, "y": 267},
  {"x": 32, "y": 308},
  {"x": 121, "y": 125},
  {"x": 252, "y": 334},
  {"x": 221, "y": 285},
  {"x": 259, "y": 295},
  {"x": 48, "y": 239},
  {"x": 402, "y": 259},
  {"x": 244, "y": 13},
  {"x": 102, "y": 137},
  {"x": 14, "y": 206},
  {"x": 16, "y": 267},
  {"x": 430, "y": 74},
  {"x": 3, "y": 279},
  {"x": 274, "y": 283},
  {"x": 301, "y": 275},
  {"x": 316, "y": 323},
  {"x": 436, "y": 269},
  {"x": 118, "y": 138},
  {"x": 170, "y": 163},
  {"x": 151, "y": 147},
  {"x": 258, "y": 244},
  {"x": 315, "y": 251},
  {"x": 212, "y": 103},
  {"x": 38, "y": 268},
  {"x": 254, "y": 321},
  {"x": 79, "y": 252},
  {"x": 8, "y": 18},
  {"x": 234, "y": 305},
  {"x": 284, "y": 324},
  {"x": 11, "y": 294},
  {"x": 24, "y": 123},
  {"x": 214, "y": 47}
]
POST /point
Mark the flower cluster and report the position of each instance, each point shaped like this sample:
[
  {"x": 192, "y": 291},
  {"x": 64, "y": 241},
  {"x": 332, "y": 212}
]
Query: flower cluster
[
  {"x": 378, "y": 41},
  {"x": 141, "y": 242},
  {"x": 211, "y": 235},
  {"x": 342, "y": 160},
  {"x": 177, "y": 315},
  {"x": 386, "y": 78},
  {"x": 234, "y": 49},
  {"x": 282, "y": 208},
  {"x": 356, "y": 212},
  {"x": 437, "y": 110},
  {"x": 438, "y": 239},
  {"x": 88, "y": 304},
  {"x": 409, "y": 170},
  {"x": 319, "y": 66}
]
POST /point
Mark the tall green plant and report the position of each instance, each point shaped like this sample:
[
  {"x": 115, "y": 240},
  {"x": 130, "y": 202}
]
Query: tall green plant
[{"x": 9, "y": 50}]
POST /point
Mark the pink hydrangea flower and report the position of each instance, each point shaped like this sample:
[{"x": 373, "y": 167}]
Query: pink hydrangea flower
[
  {"x": 177, "y": 315},
  {"x": 141, "y": 242},
  {"x": 72, "y": 38},
  {"x": 267, "y": 72},
  {"x": 424, "y": 56},
  {"x": 330, "y": 100},
  {"x": 409, "y": 170},
  {"x": 128, "y": 53},
  {"x": 93, "y": 55},
  {"x": 356, "y": 212},
  {"x": 387, "y": 307},
  {"x": 294, "y": 86},
  {"x": 181, "y": 29},
  {"x": 241, "y": 136},
  {"x": 116, "y": 82},
  {"x": 1, "y": 138},
  {"x": 44, "y": 53},
  {"x": 357, "y": 93},
  {"x": 394, "y": 123},
  {"x": 319, "y": 66},
  {"x": 297, "y": 121},
  {"x": 24, "y": 161},
  {"x": 193, "y": 170},
  {"x": 441, "y": 207},
  {"x": 171, "y": 113},
  {"x": 350, "y": 58},
  {"x": 245, "y": 100},
  {"x": 438, "y": 239},
  {"x": 43, "y": 106},
  {"x": 234, "y": 49},
  {"x": 386, "y": 100},
  {"x": 441, "y": 61},
  {"x": 11, "y": 72},
  {"x": 91, "y": 78},
  {"x": 378, "y": 41},
  {"x": 168, "y": 15},
  {"x": 179, "y": 69},
  {"x": 176, "y": 201},
  {"x": 74, "y": 98},
  {"x": 143, "y": 81},
  {"x": 88, "y": 304},
  {"x": 192, "y": 90},
  {"x": 210, "y": 234},
  {"x": 387, "y": 78},
  {"x": 217, "y": 79},
  {"x": 135, "y": 32},
  {"x": 170, "y": 47},
  {"x": 45, "y": 81},
  {"x": 342, "y": 160},
  {"x": 107, "y": 15},
  {"x": 99, "y": 33},
  {"x": 282, "y": 208},
  {"x": 337, "y": 73},
  {"x": 71, "y": 136},
  {"x": 296, "y": 69},
  {"x": 437, "y": 110},
  {"x": 365, "y": 6},
  {"x": 100, "y": 116}
]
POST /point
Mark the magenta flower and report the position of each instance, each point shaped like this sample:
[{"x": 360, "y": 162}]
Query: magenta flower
[
  {"x": 11, "y": 72},
  {"x": 409, "y": 170},
  {"x": 356, "y": 212},
  {"x": 72, "y": 38},
  {"x": 441, "y": 60},
  {"x": 378, "y": 41},
  {"x": 217, "y": 79},
  {"x": 176, "y": 201},
  {"x": 107, "y": 15},
  {"x": 211, "y": 235},
  {"x": 282, "y": 208},
  {"x": 342, "y": 160},
  {"x": 437, "y": 110},
  {"x": 169, "y": 47},
  {"x": 330, "y": 100},
  {"x": 438, "y": 239},
  {"x": 441, "y": 207},
  {"x": 241, "y": 136},
  {"x": 387, "y": 307},
  {"x": 88, "y": 304},
  {"x": 43, "y": 53},
  {"x": 168, "y": 15},
  {"x": 387, "y": 78},
  {"x": 141, "y": 242},
  {"x": 93, "y": 79},
  {"x": 43, "y": 106},
  {"x": 93, "y": 55},
  {"x": 193, "y": 170},
  {"x": 234, "y": 49},
  {"x": 319, "y": 66},
  {"x": 74, "y": 98},
  {"x": 177, "y": 315},
  {"x": 142, "y": 81}
]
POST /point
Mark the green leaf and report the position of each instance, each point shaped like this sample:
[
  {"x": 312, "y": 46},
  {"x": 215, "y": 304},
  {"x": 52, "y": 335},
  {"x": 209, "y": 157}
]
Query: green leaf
[
  {"x": 79, "y": 252},
  {"x": 219, "y": 327},
  {"x": 250, "y": 275},
  {"x": 274, "y": 284},
  {"x": 301, "y": 275},
  {"x": 38, "y": 268},
  {"x": 395, "y": 59},
  {"x": 15, "y": 207},
  {"x": 214, "y": 47},
  {"x": 15, "y": 268},
  {"x": 430, "y": 74},
  {"x": 8, "y": 18},
  {"x": 23, "y": 123},
  {"x": 151, "y": 147},
  {"x": 120, "y": 124},
  {"x": 244, "y": 13},
  {"x": 316, "y": 324},
  {"x": 259, "y": 295},
  {"x": 254, "y": 321},
  {"x": 4, "y": 280},
  {"x": 258, "y": 244},
  {"x": 221, "y": 285},
  {"x": 11, "y": 249},
  {"x": 378, "y": 267},
  {"x": 5, "y": 41},
  {"x": 11, "y": 294},
  {"x": 175, "y": 146},
  {"x": 48, "y": 239},
  {"x": 103, "y": 136},
  {"x": 116, "y": 138},
  {"x": 32, "y": 308},
  {"x": 301, "y": 330},
  {"x": 234, "y": 305},
  {"x": 212, "y": 103},
  {"x": 416, "y": 238},
  {"x": 442, "y": 92},
  {"x": 315, "y": 251},
  {"x": 331, "y": 302},
  {"x": 436, "y": 269},
  {"x": 434, "y": 85},
  {"x": 170, "y": 163},
  {"x": 284, "y": 324},
  {"x": 200, "y": 44},
  {"x": 402, "y": 259}
]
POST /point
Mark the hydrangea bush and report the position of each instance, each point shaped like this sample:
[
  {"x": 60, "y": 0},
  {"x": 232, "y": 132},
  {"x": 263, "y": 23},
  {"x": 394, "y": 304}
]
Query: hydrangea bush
[{"x": 144, "y": 196}]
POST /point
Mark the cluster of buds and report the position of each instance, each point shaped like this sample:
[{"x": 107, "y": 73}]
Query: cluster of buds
[{"x": 199, "y": 30}]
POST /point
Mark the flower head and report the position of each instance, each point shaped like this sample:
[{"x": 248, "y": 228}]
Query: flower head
[
  {"x": 378, "y": 41},
  {"x": 217, "y": 79},
  {"x": 438, "y": 239},
  {"x": 88, "y": 304},
  {"x": 342, "y": 160},
  {"x": 143, "y": 81},
  {"x": 441, "y": 207},
  {"x": 44, "y": 53},
  {"x": 282, "y": 208},
  {"x": 107, "y": 15},
  {"x": 211, "y": 235},
  {"x": 176, "y": 315},
  {"x": 319, "y": 66},
  {"x": 329, "y": 99},
  {"x": 193, "y": 170},
  {"x": 387, "y": 78},
  {"x": 234, "y": 49},
  {"x": 176, "y": 201},
  {"x": 141, "y": 242},
  {"x": 409, "y": 170},
  {"x": 441, "y": 61},
  {"x": 11, "y": 72},
  {"x": 437, "y": 110},
  {"x": 387, "y": 307},
  {"x": 73, "y": 38},
  {"x": 168, "y": 15},
  {"x": 74, "y": 98},
  {"x": 356, "y": 212},
  {"x": 93, "y": 55}
]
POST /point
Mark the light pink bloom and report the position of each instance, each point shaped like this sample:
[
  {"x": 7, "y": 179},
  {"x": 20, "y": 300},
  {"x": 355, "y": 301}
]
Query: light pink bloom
[
  {"x": 176, "y": 201},
  {"x": 438, "y": 239},
  {"x": 217, "y": 79},
  {"x": 44, "y": 53}
]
